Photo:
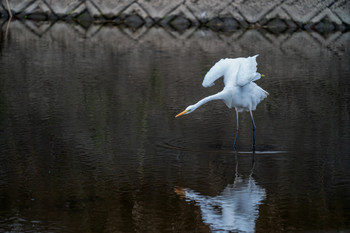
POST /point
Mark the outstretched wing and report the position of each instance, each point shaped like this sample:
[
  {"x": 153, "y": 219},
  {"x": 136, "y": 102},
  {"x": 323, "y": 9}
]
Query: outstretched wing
[
  {"x": 247, "y": 71},
  {"x": 214, "y": 73}
]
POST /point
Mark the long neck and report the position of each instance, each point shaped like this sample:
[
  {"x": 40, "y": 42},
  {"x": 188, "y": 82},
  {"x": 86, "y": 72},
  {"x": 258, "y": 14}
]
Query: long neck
[{"x": 208, "y": 98}]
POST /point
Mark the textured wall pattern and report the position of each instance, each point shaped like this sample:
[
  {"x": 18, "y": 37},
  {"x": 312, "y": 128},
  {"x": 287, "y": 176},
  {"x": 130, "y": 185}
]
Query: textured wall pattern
[
  {"x": 182, "y": 14},
  {"x": 240, "y": 41}
]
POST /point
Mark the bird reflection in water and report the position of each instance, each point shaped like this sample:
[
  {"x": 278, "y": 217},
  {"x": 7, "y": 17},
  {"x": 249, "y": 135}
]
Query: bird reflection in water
[{"x": 236, "y": 208}]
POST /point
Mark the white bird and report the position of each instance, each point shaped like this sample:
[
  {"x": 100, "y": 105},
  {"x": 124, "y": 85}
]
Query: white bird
[{"x": 239, "y": 92}]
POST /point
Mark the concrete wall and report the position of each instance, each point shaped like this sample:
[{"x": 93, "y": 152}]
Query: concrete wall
[{"x": 182, "y": 14}]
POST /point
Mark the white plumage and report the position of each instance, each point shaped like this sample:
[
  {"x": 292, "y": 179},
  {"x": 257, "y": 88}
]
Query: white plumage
[{"x": 240, "y": 91}]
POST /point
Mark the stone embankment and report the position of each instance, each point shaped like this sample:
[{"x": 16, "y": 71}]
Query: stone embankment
[{"x": 224, "y": 15}]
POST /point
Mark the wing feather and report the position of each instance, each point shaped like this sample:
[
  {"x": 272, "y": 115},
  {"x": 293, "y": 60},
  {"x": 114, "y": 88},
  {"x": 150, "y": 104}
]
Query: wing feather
[
  {"x": 214, "y": 73},
  {"x": 247, "y": 71}
]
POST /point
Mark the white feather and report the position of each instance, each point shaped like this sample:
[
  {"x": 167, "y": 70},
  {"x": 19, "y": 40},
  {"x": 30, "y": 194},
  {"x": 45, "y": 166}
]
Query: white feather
[
  {"x": 240, "y": 91},
  {"x": 247, "y": 71}
]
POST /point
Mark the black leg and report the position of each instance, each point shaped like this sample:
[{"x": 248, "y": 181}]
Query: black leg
[
  {"x": 236, "y": 159},
  {"x": 236, "y": 133},
  {"x": 254, "y": 127},
  {"x": 253, "y": 163}
]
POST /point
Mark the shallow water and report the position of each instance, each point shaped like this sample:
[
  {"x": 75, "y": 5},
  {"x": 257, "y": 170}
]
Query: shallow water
[{"x": 89, "y": 142}]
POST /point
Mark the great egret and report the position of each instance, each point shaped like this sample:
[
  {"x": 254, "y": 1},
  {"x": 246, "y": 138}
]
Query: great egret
[{"x": 239, "y": 92}]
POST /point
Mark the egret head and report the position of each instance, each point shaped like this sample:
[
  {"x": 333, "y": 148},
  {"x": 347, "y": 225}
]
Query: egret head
[{"x": 188, "y": 110}]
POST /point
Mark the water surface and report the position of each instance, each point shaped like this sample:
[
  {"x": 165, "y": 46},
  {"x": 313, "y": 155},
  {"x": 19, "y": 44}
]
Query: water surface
[{"x": 89, "y": 142}]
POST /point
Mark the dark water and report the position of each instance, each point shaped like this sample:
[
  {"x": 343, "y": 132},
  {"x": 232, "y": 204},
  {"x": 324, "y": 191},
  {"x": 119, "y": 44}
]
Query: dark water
[{"x": 89, "y": 142}]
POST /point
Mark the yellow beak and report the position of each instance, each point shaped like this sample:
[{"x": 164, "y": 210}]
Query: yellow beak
[{"x": 181, "y": 113}]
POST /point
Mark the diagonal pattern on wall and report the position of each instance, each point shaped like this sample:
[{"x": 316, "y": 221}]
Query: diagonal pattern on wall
[
  {"x": 221, "y": 15},
  {"x": 208, "y": 40}
]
